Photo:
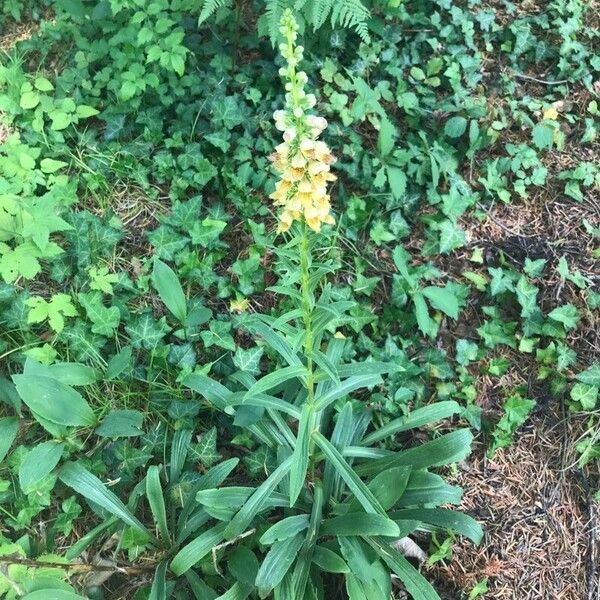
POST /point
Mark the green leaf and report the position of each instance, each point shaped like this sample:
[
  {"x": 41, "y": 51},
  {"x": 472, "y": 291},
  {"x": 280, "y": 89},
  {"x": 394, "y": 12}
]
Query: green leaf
[
  {"x": 543, "y": 136},
  {"x": 158, "y": 591},
  {"x": 29, "y": 100},
  {"x": 83, "y": 482},
  {"x": 276, "y": 378},
  {"x": 121, "y": 423},
  {"x": 329, "y": 561},
  {"x": 359, "y": 523},
  {"x": 60, "y": 120},
  {"x": 43, "y": 84},
  {"x": 169, "y": 289},
  {"x": 52, "y": 593},
  {"x": 418, "y": 418},
  {"x": 244, "y": 516},
  {"x": 346, "y": 387},
  {"x": 277, "y": 563},
  {"x": 284, "y": 529},
  {"x": 54, "y": 401},
  {"x": 352, "y": 480},
  {"x": 301, "y": 454},
  {"x": 197, "y": 549},
  {"x": 526, "y": 295},
  {"x": 156, "y": 501},
  {"x": 38, "y": 462},
  {"x": 387, "y": 134},
  {"x": 424, "y": 321},
  {"x": 586, "y": 395},
  {"x": 566, "y": 314},
  {"x": 397, "y": 180},
  {"x": 9, "y": 426},
  {"x": 450, "y": 448},
  {"x": 590, "y": 376},
  {"x": 442, "y": 299},
  {"x": 415, "y": 583},
  {"x": 444, "y": 519},
  {"x": 48, "y": 165},
  {"x": 455, "y": 126}
]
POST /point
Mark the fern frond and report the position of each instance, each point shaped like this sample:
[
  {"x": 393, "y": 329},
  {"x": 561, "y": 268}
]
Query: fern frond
[
  {"x": 347, "y": 13},
  {"x": 273, "y": 14},
  {"x": 209, "y": 7}
]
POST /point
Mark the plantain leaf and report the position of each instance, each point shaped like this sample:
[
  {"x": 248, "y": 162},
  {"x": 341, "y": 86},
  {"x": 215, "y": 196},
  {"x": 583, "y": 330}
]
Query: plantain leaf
[
  {"x": 54, "y": 401},
  {"x": 9, "y": 426},
  {"x": 329, "y": 561},
  {"x": 169, "y": 289},
  {"x": 37, "y": 463}
]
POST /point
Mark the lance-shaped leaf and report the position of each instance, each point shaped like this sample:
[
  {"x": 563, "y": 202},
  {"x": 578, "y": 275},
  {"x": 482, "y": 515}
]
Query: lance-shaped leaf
[
  {"x": 169, "y": 289},
  {"x": 88, "y": 485},
  {"x": 346, "y": 387},
  {"x": 197, "y": 549},
  {"x": 301, "y": 453}
]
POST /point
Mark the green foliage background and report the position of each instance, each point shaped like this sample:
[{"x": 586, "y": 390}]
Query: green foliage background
[{"x": 136, "y": 130}]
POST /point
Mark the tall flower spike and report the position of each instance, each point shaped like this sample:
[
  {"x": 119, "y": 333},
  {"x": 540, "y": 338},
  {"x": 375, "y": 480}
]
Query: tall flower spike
[{"x": 302, "y": 160}]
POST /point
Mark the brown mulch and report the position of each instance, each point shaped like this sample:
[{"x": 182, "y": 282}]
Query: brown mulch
[{"x": 540, "y": 532}]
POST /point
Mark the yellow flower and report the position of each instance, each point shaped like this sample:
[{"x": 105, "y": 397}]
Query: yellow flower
[{"x": 302, "y": 160}]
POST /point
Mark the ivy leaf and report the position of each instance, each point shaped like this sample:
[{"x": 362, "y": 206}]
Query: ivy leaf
[
  {"x": 227, "y": 113},
  {"x": 590, "y": 376},
  {"x": 527, "y": 297},
  {"x": 451, "y": 236},
  {"x": 442, "y": 299},
  {"x": 207, "y": 231},
  {"x": 205, "y": 451},
  {"x": 218, "y": 335},
  {"x": 566, "y": 314},
  {"x": 248, "y": 359},
  {"x": 543, "y": 136},
  {"x": 147, "y": 332},
  {"x": 586, "y": 395},
  {"x": 105, "y": 319}
]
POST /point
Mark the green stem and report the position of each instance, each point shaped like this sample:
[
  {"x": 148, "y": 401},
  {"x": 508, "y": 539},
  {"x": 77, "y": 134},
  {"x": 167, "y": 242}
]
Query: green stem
[{"x": 307, "y": 312}]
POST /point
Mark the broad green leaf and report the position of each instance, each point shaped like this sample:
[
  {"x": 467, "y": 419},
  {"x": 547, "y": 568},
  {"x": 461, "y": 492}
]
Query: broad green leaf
[
  {"x": 277, "y": 563},
  {"x": 54, "y": 401},
  {"x": 442, "y": 299},
  {"x": 169, "y": 289},
  {"x": 455, "y": 126},
  {"x": 566, "y": 314},
  {"x": 38, "y": 463},
  {"x": 156, "y": 501},
  {"x": 360, "y": 523},
  {"x": 210, "y": 389},
  {"x": 329, "y": 561},
  {"x": 49, "y": 165},
  {"x": 52, "y": 594},
  {"x": 9, "y": 426},
  {"x": 284, "y": 529},
  {"x": 197, "y": 549},
  {"x": 88, "y": 485},
  {"x": 121, "y": 423}
]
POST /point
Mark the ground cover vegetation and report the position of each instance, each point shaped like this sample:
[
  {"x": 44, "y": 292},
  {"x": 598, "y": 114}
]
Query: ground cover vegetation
[{"x": 254, "y": 266}]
